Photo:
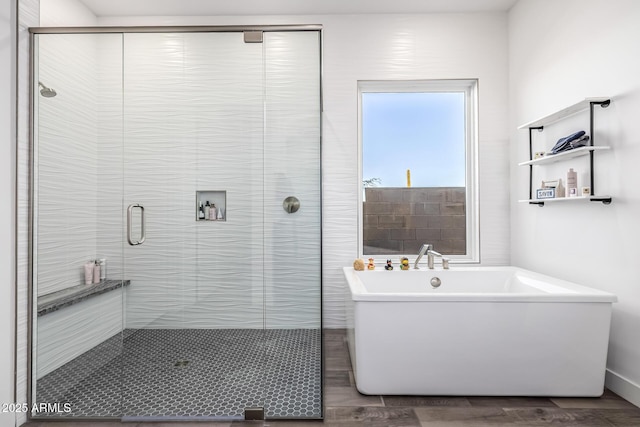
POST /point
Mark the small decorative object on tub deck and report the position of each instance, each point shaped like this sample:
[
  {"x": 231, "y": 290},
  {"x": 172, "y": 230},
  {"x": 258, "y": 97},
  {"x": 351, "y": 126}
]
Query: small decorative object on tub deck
[
  {"x": 404, "y": 263},
  {"x": 388, "y": 266},
  {"x": 358, "y": 265},
  {"x": 371, "y": 265}
]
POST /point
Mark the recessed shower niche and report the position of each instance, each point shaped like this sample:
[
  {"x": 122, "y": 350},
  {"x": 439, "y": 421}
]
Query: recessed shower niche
[
  {"x": 211, "y": 205},
  {"x": 213, "y": 325}
]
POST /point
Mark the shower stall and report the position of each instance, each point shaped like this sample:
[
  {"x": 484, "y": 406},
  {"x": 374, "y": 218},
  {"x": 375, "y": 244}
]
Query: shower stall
[{"x": 176, "y": 223}]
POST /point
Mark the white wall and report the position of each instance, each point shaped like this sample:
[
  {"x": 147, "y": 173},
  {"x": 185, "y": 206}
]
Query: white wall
[
  {"x": 8, "y": 205},
  {"x": 370, "y": 47},
  {"x": 395, "y": 47},
  {"x": 61, "y": 13},
  {"x": 378, "y": 47},
  {"x": 561, "y": 52}
]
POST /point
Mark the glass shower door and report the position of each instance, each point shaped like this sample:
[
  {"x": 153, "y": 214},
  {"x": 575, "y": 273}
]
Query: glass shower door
[
  {"x": 190, "y": 163},
  {"x": 77, "y": 220},
  {"x": 292, "y": 224},
  {"x": 193, "y": 126}
]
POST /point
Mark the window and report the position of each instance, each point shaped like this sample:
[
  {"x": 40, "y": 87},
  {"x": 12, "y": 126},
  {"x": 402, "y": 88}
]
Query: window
[{"x": 418, "y": 145}]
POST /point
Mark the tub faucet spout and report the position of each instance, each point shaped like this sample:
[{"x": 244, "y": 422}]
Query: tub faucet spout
[
  {"x": 431, "y": 254},
  {"x": 425, "y": 248}
]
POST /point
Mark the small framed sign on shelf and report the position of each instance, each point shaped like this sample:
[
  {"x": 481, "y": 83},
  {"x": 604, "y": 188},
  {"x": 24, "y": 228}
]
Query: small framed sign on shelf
[{"x": 545, "y": 193}]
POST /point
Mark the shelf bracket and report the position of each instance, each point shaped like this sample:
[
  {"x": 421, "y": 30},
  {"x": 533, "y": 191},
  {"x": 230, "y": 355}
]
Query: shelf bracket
[
  {"x": 604, "y": 200},
  {"x": 603, "y": 104},
  {"x": 531, "y": 129}
]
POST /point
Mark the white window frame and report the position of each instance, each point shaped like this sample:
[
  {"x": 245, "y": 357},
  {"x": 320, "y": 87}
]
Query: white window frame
[{"x": 470, "y": 89}]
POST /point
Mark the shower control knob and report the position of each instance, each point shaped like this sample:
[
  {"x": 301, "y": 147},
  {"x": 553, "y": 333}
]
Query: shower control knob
[
  {"x": 291, "y": 204},
  {"x": 435, "y": 282}
]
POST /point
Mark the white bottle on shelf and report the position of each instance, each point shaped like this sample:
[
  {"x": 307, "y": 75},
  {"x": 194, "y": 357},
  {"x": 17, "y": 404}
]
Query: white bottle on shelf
[
  {"x": 560, "y": 190},
  {"x": 572, "y": 183},
  {"x": 207, "y": 210}
]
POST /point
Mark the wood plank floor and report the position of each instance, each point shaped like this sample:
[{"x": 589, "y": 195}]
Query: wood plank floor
[{"x": 344, "y": 406}]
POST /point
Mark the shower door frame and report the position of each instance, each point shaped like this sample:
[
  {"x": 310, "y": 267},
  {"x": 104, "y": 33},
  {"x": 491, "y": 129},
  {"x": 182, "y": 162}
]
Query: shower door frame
[{"x": 33, "y": 88}]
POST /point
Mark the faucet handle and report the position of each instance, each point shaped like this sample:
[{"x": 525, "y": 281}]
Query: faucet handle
[
  {"x": 425, "y": 248},
  {"x": 445, "y": 263}
]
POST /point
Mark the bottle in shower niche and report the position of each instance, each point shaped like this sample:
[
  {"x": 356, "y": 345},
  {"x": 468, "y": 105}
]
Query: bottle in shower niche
[
  {"x": 207, "y": 210},
  {"x": 213, "y": 213},
  {"x": 219, "y": 215},
  {"x": 572, "y": 183},
  {"x": 201, "y": 211}
]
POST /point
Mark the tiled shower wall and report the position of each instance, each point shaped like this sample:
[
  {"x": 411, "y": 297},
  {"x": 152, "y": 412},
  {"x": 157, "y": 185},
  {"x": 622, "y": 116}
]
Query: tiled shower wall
[
  {"x": 66, "y": 153},
  {"x": 210, "y": 112},
  {"x": 186, "y": 120},
  {"x": 68, "y": 203}
]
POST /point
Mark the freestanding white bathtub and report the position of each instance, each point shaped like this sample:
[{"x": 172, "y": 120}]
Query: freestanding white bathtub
[{"x": 486, "y": 331}]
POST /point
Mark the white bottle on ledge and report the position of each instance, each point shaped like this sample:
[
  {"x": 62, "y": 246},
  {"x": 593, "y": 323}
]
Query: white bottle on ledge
[{"x": 572, "y": 183}]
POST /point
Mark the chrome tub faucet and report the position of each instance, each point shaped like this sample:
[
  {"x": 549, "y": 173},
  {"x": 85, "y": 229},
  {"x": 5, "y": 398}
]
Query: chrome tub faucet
[
  {"x": 427, "y": 248},
  {"x": 423, "y": 250}
]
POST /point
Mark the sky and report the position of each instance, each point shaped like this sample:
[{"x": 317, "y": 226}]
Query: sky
[{"x": 423, "y": 132}]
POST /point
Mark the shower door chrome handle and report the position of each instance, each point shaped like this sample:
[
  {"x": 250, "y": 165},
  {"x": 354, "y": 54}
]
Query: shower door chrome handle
[{"x": 142, "y": 224}]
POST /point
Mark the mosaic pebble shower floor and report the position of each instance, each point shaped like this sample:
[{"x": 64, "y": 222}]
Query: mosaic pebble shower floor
[{"x": 192, "y": 373}]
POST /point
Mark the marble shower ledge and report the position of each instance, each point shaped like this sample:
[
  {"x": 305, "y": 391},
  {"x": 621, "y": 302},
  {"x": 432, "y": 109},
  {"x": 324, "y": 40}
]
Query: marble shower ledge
[{"x": 57, "y": 300}]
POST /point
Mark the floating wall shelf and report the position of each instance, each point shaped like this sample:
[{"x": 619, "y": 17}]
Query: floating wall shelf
[
  {"x": 604, "y": 199},
  {"x": 587, "y": 103},
  {"x": 552, "y": 158},
  {"x": 566, "y": 112}
]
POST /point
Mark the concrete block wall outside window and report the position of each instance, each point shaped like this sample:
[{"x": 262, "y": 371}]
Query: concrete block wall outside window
[{"x": 399, "y": 220}]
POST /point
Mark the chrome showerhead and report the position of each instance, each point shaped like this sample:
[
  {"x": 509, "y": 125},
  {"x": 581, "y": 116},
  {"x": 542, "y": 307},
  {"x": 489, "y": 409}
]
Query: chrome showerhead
[{"x": 47, "y": 92}]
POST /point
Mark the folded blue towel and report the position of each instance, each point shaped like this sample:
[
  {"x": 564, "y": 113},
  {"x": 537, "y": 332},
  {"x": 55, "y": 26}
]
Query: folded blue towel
[
  {"x": 564, "y": 144},
  {"x": 580, "y": 142}
]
